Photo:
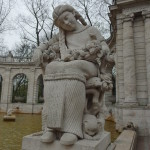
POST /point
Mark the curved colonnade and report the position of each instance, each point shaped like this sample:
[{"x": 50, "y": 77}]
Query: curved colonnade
[{"x": 30, "y": 98}]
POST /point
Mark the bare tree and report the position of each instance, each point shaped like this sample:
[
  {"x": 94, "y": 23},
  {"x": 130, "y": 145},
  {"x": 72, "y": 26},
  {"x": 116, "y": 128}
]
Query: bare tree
[
  {"x": 35, "y": 26},
  {"x": 23, "y": 51},
  {"x": 96, "y": 13},
  {"x": 5, "y": 8},
  {"x": 3, "y": 47},
  {"x": 20, "y": 85}
]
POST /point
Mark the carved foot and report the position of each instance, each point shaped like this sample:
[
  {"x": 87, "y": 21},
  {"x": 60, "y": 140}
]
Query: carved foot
[
  {"x": 68, "y": 139},
  {"x": 48, "y": 137}
]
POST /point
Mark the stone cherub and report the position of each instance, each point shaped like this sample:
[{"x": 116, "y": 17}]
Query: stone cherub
[
  {"x": 70, "y": 59},
  {"x": 92, "y": 127},
  {"x": 10, "y": 111}
]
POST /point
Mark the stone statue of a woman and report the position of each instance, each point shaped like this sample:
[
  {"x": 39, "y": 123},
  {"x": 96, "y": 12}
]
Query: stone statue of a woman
[{"x": 74, "y": 60}]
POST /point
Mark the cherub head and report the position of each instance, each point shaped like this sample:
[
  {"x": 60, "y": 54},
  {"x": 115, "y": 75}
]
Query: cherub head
[{"x": 91, "y": 125}]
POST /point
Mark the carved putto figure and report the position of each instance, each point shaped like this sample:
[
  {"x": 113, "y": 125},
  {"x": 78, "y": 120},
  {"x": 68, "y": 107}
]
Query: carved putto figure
[
  {"x": 9, "y": 112},
  {"x": 75, "y": 79}
]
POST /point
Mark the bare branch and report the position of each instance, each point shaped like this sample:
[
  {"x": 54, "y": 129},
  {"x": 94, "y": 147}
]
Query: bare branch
[
  {"x": 39, "y": 17},
  {"x": 5, "y": 8}
]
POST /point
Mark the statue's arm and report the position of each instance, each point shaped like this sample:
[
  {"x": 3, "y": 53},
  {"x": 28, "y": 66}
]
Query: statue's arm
[{"x": 38, "y": 53}]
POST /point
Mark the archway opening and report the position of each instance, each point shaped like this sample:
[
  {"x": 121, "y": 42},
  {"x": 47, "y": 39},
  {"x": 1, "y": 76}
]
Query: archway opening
[{"x": 20, "y": 86}]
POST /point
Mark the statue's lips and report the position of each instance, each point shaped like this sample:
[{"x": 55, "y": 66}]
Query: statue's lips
[{"x": 86, "y": 68}]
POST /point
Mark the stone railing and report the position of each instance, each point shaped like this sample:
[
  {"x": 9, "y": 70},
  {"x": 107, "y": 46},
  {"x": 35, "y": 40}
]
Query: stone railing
[
  {"x": 15, "y": 59},
  {"x": 126, "y": 141}
]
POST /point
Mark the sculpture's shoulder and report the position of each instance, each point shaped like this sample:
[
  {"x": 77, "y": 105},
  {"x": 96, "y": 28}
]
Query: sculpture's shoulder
[
  {"x": 95, "y": 32},
  {"x": 92, "y": 29}
]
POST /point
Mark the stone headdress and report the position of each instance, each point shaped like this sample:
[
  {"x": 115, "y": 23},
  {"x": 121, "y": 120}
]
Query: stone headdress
[
  {"x": 63, "y": 8},
  {"x": 56, "y": 13}
]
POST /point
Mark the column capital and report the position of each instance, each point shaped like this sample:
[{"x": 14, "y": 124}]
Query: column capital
[
  {"x": 128, "y": 18},
  {"x": 146, "y": 14},
  {"x": 8, "y": 69},
  {"x": 32, "y": 69}
]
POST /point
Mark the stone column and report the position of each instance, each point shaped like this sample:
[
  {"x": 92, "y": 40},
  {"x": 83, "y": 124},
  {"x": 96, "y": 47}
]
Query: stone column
[
  {"x": 31, "y": 86},
  {"x": 129, "y": 62},
  {"x": 5, "y": 89},
  {"x": 119, "y": 62},
  {"x": 147, "y": 49}
]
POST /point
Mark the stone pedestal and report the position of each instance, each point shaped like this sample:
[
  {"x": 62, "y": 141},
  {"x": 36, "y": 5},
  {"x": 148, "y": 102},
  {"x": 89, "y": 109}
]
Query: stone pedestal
[
  {"x": 33, "y": 143},
  {"x": 9, "y": 118}
]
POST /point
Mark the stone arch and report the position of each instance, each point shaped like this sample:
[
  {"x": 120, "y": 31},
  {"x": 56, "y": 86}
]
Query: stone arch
[
  {"x": 1, "y": 81},
  {"x": 40, "y": 88},
  {"x": 20, "y": 88}
]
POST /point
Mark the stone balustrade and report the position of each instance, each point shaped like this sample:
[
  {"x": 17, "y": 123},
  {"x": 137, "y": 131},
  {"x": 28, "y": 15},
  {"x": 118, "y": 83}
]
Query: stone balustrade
[{"x": 126, "y": 140}]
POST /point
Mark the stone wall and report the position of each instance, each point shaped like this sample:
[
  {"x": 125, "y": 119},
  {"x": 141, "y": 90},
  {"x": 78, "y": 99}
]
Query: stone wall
[
  {"x": 131, "y": 23},
  {"x": 8, "y": 71}
]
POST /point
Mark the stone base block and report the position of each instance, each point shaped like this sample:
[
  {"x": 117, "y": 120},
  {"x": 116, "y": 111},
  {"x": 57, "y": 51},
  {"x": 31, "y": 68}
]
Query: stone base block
[
  {"x": 33, "y": 143},
  {"x": 9, "y": 118},
  {"x": 126, "y": 140}
]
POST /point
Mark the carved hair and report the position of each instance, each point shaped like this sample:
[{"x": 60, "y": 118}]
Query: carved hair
[
  {"x": 63, "y": 8},
  {"x": 56, "y": 13},
  {"x": 62, "y": 43}
]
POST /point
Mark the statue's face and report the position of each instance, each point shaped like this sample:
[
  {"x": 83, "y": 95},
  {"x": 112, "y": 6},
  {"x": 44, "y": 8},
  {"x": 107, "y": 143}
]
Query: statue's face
[{"x": 67, "y": 21}]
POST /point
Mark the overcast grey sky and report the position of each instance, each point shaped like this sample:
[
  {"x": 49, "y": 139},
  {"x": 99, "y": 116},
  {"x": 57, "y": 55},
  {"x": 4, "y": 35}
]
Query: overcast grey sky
[{"x": 11, "y": 37}]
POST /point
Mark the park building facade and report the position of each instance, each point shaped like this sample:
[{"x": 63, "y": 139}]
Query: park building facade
[
  {"x": 131, "y": 24},
  {"x": 21, "y": 85}
]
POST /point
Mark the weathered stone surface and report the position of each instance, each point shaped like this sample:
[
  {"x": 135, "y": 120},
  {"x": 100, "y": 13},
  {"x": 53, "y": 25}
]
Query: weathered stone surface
[
  {"x": 126, "y": 140},
  {"x": 133, "y": 73},
  {"x": 33, "y": 143},
  {"x": 143, "y": 142},
  {"x": 9, "y": 118},
  {"x": 75, "y": 62},
  {"x": 8, "y": 71}
]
